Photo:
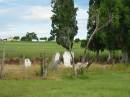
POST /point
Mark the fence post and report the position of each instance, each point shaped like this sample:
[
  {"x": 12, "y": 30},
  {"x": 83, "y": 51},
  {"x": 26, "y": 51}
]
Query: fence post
[
  {"x": 43, "y": 67},
  {"x": 2, "y": 61}
]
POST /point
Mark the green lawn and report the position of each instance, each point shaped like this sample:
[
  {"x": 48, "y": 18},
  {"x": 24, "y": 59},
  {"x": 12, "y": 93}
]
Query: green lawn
[
  {"x": 34, "y": 49},
  {"x": 94, "y": 84}
]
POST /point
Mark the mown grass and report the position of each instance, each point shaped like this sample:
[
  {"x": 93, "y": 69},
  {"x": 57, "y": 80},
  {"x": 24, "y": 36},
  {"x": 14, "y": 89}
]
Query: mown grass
[
  {"x": 103, "y": 84},
  {"x": 111, "y": 81}
]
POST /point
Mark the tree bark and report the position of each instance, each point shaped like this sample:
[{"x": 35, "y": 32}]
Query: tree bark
[
  {"x": 43, "y": 67},
  {"x": 110, "y": 57},
  {"x": 124, "y": 56}
]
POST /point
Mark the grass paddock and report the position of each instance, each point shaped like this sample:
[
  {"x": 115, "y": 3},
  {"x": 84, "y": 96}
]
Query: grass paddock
[
  {"x": 100, "y": 81},
  {"x": 16, "y": 51},
  {"x": 35, "y": 49}
]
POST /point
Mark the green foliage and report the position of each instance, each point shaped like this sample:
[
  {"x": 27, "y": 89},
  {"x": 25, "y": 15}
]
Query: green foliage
[
  {"x": 51, "y": 38},
  {"x": 24, "y": 38},
  {"x": 97, "y": 42},
  {"x": 115, "y": 35},
  {"x": 83, "y": 43},
  {"x": 77, "y": 40},
  {"x": 16, "y": 37},
  {"x": 64, "y": 24},
  {"x": 29, "y": 36},
  {"x": 43, "y": 38}
]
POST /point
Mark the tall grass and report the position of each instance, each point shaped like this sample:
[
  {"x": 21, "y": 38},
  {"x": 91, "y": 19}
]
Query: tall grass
[{"x": 18, "y": 72}]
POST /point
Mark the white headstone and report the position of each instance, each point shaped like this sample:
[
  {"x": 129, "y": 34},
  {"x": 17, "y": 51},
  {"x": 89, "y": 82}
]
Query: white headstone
[
  {"x": 67, "y": 59},
  {"x": 27, "y": 62},
  {"x": 57, "y": 57},
  {"x": 56, "y": 61}
]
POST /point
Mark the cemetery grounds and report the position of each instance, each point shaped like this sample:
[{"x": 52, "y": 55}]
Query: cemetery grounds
[{"x": 99, "y": 81}]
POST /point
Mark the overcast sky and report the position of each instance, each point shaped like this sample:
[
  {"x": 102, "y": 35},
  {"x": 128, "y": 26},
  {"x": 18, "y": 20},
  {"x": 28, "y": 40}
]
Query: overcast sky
[{"x": 20, "y": 16}]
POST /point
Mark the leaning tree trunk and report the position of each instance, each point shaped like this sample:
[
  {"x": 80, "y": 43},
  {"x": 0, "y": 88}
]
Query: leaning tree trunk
[
  {"x": 110, "y": 57},
  {"x": 98, "y": 27}
]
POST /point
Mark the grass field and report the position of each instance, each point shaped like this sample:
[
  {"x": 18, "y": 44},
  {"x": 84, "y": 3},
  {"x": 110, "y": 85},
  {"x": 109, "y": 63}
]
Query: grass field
[
  {"x": 103, "y": 83},
  {"x": 34, "y": 49},
  {"x": 98, "y": 82}
]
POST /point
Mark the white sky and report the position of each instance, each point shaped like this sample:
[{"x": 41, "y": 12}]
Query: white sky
[{"x": 20, "y": 16}]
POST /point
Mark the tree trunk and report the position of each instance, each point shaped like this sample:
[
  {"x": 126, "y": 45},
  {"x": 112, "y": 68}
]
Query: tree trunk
[
  {"x": 110, "y": 57},
  {"x": 43, "y": 67},
  {"x": 124, "y": 56}
]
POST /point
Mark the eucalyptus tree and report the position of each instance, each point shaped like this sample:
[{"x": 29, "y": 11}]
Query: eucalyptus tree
[
  {"x": 100, "y": 16},
  {"x": 112, "y": 30},
  {"x": 104, "y": 21}
]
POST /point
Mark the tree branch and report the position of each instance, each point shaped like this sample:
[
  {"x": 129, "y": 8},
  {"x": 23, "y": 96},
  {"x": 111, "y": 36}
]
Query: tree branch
[{"x": 98, "y": 28}]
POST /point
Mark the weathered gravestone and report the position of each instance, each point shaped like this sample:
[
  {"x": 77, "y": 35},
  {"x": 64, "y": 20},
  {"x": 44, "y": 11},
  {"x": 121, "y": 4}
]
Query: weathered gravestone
[
  {"x": 56, "y": 61},
  {"x": 67, "y": 59},
  {"x": 27, "y": 63},
  {"x": 57, "y": 57}
]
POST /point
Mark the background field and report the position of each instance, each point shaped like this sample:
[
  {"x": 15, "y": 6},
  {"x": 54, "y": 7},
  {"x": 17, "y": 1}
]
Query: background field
[{"x": 35, "y": 49}]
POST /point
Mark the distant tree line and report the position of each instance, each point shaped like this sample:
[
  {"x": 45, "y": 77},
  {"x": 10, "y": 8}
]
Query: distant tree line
[
  {"x": 32, "y": 36},
  {"x": 29, "y": 37}
]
